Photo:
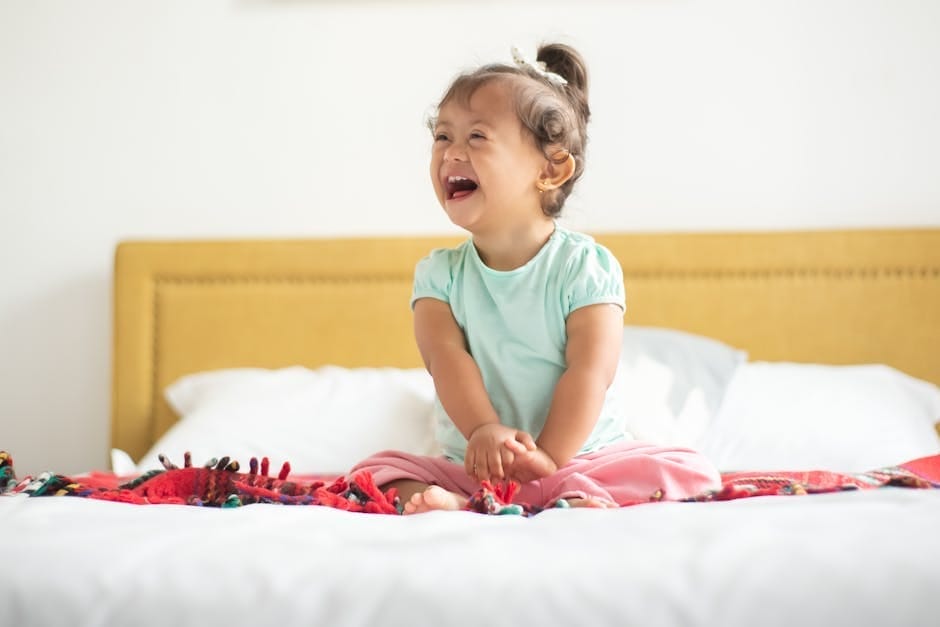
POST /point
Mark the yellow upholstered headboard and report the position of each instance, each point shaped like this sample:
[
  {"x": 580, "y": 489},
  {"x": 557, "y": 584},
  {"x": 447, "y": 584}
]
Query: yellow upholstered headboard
[{"x": 867, "y": 296}]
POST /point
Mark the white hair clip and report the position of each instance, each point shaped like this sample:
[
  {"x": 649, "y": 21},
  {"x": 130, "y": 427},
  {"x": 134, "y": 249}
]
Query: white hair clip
[{"x": 538, "y": 68}]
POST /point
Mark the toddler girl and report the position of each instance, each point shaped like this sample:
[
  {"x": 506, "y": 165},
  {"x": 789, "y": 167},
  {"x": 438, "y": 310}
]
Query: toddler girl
[{"x": 520, "y": 326}]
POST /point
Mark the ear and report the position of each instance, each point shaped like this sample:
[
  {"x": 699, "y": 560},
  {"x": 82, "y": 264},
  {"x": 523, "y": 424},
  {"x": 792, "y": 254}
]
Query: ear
[{"x": 558, "y": 168}]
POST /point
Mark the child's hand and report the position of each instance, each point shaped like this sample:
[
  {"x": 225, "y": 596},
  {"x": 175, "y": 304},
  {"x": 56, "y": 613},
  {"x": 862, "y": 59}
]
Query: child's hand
[
  {"x": 492, "y": 449},
  {"x": 531, "y": 465}
]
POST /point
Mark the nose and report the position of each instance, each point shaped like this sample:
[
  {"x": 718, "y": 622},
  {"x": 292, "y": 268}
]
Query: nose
[{"x": 456, "y": 151}]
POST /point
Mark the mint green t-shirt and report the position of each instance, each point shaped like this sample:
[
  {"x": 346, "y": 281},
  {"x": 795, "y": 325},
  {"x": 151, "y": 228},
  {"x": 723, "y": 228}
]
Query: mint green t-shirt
[{"x": 514, "y": 325}]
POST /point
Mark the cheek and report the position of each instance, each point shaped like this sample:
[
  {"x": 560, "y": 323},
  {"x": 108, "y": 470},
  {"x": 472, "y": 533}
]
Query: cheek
[
  {"x": 510, "y": 183},
  {"x": 433, "y": 174},
  {"x": 434, "y": 169}
]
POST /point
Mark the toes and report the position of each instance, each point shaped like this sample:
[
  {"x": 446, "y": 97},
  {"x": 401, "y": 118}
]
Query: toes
[
  {"x": 436, "y": 497},
  {"x": 433, "y": 496},
  {"x": 414, "y": 504}
]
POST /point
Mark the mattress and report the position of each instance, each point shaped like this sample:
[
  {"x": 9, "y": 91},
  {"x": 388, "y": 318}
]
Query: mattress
[{"x": 852, "y": 558}]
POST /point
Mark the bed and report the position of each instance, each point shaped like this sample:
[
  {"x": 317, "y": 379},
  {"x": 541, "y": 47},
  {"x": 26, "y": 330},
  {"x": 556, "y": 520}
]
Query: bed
[{"x": 769, "y": 351}]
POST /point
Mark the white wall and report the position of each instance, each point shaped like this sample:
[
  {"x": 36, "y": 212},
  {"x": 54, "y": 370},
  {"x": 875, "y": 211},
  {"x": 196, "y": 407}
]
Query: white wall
[{"x": 247, "y": 118}]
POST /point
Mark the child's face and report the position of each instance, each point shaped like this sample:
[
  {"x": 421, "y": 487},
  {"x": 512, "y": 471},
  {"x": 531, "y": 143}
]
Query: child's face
[{"x": 484, "y": 164}]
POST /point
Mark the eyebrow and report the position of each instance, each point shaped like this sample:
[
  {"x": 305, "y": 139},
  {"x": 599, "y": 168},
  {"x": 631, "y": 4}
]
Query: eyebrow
[{"x": 475, "y": 122}]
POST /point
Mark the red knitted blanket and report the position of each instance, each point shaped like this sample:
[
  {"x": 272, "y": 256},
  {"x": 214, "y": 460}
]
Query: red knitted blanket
[{"x": 220, "y": 484}]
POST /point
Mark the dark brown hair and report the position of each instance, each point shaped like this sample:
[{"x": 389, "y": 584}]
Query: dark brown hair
[{"x": 555, "y": 114}]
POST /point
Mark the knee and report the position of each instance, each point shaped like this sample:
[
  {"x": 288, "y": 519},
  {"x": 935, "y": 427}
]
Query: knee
[
  {"x": 690, "y": 473},
  {"x": 382, "y": 459}
]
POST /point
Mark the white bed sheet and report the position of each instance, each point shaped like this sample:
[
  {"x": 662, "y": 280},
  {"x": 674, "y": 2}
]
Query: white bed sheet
[{"x": 859, "y": 558}]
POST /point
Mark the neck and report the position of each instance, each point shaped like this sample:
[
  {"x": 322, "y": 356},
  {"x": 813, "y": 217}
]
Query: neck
[{"x": 511, "y": 249}]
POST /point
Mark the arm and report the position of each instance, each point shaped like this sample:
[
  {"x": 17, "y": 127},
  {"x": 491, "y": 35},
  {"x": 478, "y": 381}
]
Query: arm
[
  {"x": 593, "y": 350},
  {"x": 457, "y": 378},
  {"x": 459, "y": 385}
]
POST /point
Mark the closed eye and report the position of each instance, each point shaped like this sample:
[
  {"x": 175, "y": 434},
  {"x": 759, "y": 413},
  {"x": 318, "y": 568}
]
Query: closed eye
[{"x": 438, "y": 137}]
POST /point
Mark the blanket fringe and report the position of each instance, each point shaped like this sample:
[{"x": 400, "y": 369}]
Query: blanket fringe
[
  {"x": 7, "y": 476},
  {"x": 219, "y": 483},
  {"x": 216, "y": 484}
]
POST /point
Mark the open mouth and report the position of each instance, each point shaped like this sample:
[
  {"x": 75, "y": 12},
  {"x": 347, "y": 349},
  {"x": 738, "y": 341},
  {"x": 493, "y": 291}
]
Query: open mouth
[{"x": 457, "y": 187}]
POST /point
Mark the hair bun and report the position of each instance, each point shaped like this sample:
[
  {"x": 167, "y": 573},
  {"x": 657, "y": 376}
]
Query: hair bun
[{"x": 566, "y": 62}]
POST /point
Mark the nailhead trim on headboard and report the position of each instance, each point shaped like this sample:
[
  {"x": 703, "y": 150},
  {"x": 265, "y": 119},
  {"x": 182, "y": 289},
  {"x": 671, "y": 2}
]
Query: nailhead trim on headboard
[{"x": 802, "y": 273}]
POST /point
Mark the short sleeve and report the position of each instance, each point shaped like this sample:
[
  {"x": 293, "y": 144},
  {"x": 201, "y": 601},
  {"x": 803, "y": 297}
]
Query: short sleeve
[
  {"x": 433, "y": 277},
  {"x": 594, "y": 278}
]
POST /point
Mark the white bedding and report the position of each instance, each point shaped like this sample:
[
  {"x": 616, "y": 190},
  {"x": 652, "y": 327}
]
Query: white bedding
[
  {"x": 857, "y": 558},
  {"x": 866, "y": 558}
]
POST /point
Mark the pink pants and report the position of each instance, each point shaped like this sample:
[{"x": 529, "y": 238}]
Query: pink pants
[{"x": 624, "y": 473}]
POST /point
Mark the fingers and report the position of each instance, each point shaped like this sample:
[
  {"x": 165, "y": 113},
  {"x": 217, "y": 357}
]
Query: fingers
[
  {"x": 507, "y": 458},
  {"x": 481, "y": 469},
  {"x": 496, "y": 463},
  {"x": 491, "y": 453},
  {"x": 489, "y": 465},
  {"x": 526, "y": 440},
  {"x": 515, "y": 446},
  {"x": 521, "y": 443},
  {"x": 477, "y": 464}
]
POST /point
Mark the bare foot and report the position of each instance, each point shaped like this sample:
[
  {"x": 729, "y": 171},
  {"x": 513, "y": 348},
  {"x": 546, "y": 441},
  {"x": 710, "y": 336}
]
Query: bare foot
[
  {"x": 592, "y": 502},
  {"x": 434, "y": 497}
]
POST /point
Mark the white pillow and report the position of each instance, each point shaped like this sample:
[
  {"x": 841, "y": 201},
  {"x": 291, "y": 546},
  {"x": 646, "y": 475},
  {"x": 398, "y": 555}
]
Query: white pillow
[
  {"x": 321, "y": 421},
  {"x": 788, "y": 416},
  {"x": 670, "y": 384},
  {"x": 122, "y": 463}
]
